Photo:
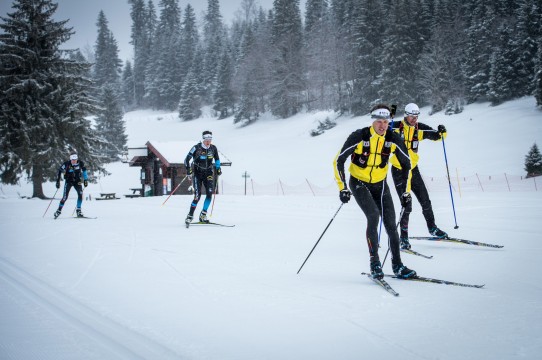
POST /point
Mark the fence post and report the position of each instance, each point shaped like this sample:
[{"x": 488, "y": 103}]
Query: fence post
[
  {"x": 534, "y": 179},
  {"x": 281, "y": 188},
  {"x": 479, "y": 182},
  {"x": 458, "y": 181},
  {"x": 507, "y": 183},
  {"x": 310, "y": 187}
]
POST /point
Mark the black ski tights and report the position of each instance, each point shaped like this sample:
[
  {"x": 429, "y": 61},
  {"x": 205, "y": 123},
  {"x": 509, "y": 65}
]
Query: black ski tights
[{"x": 370, "y": 198}]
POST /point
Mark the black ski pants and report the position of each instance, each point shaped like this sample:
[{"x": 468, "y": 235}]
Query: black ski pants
[
  {"x": 417, "y": 187},
  {"x": 375, "y": 200},
  {"x": 67, "y": 187},
  {"x": 200, "y": 179}
]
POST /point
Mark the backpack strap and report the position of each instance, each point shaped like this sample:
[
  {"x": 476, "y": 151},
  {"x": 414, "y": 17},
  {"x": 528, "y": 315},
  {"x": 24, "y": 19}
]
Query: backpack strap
[
  {"x": 386, "y": 149},
  {"x": 361, "y": 159}
]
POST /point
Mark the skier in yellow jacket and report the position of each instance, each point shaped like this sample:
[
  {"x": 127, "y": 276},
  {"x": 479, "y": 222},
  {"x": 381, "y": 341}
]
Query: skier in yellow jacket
[
  {"x": 412, "y": 132},
  {"x": 369, "y": 150}
]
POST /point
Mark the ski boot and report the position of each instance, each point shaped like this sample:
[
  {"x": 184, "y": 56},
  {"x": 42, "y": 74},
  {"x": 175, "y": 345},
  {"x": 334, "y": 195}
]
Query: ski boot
[
  {"x": 188, "y": 220},
  {"x": 203, "y": 217},
  {"x": 436, "y": 232},
  {"x": 402, "y": 272},
  {"x": 57, "y": 213},
  {"x": 376, "y": 270},
  {"x": 404, "y": 243},
  {"x": 79, "y": 213}
]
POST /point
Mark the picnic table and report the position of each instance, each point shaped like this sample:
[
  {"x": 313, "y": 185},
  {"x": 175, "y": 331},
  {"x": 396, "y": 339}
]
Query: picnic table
[
  {"x": 136, "y": 192},
  {"x": 108, "y": 196}
]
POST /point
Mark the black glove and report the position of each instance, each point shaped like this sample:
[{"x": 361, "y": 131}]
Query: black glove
[
  {"x": 218, "y": 171},
  {"x": 58, "y": 184},
  {"x": 441, "y": 129},
  {"x": 406, "y": 200},
  {"x": 344, "y": 195},
  {"x": 85, "y": 183}
]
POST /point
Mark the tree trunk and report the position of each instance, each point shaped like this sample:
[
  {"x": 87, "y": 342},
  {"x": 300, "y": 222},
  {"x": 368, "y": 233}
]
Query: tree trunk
[{"x": 37, "y": 181}]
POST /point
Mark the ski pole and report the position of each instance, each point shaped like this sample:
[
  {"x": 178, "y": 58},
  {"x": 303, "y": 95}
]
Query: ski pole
[
  {"x": 314, "y": 247},
  {"x": 449, "y": 182},
  {"x": 214, "y": 197},
  {"x": 50, "y": 202},
  {"x": 396, "y": 226},
  {"x": 176, "y": 187}
]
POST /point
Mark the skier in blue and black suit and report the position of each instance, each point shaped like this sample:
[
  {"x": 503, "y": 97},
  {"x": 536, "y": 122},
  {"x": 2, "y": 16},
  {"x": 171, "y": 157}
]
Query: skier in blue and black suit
[
  {"x": 75, "y": 174},
  {"x": 201, "y": 172}
]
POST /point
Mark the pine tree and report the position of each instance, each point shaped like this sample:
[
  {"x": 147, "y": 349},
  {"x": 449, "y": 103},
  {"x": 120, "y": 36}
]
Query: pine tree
[
  {"x": 128, "y": 86},
  {"x": 43, "y": 97},
  {"x": 107, "y": 64},
  {"x": 367, "y": 38},
  {"x": 287, "y": 40},
  {"x": 398, "y": 69},
  {"x": 140, "y": 42},
  {"x": 533, "y": 162},
  {"x": 213, "y": 34},
  {"x": 537, "y": 78},
  {"x": 501, "y": 76},
  {"x": 189, "y": 41},
  {"x": 320, "y": 57},
  {"x": 252, "y": 78},
  {"x": 223, "y": 96},
  {"x": 163, "y": 73},
  {"x": 192, "y": 90},
  {"x": 110, "y": 124},
  {"x": 480, "y": 35}
]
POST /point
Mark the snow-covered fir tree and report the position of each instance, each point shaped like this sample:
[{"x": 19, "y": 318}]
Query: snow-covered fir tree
[
  {"x": 367, "y": 36},
  {"x": 288, "y": 81},
  {"x": 533, "y": 162},
  {"x": 189, "y": 41},
  {"x": 192, "y": 90},
  {"x": 213, "y": 36},
  {"x": 252, "y": 77},
  {"x": 480, "y": 33},
  {"x": 44, "y": 97},
  {"x": 128, "y": 86},
  {"x": 137, "y": 13},
  {"x": 107, "y": 64},
  {"x": 223, "y": 95},
  {"x": 163, "y": 73},
  {"x": 110, "y": 124},
  {"x": 398, "y": 76},
  {"x": 320, "y": 55},
  {"x": 537, "y": 78}
]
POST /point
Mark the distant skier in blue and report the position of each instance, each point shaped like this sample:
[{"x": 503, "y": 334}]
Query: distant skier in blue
[
  {"x": 74, "y": 171},
  {"x": 201, "y": 172}
]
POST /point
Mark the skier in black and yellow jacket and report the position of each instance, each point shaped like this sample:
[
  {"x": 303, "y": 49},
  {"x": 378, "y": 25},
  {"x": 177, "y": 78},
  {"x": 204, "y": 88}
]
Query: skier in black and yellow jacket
[
  {"x": 369, "y": 150},
  {"x": 412, "y": 132}
]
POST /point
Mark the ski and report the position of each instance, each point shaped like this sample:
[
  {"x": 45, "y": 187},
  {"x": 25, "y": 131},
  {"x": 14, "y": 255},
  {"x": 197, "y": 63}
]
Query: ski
[
  {"x": 456, "y": 240},
  {"x": 436, "y": 281},
  {"x": 383, "y": 283},
  {"x": 84, "y": 217},
  {"x": 412, "y": 252},
  {"x": 209, "y": 223}
]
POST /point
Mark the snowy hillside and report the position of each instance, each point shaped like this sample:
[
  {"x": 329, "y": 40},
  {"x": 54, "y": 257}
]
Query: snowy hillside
[{"x": 136, "y": 284}]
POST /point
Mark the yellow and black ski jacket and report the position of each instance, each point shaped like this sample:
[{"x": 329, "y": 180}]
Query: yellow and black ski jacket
[
  {"x": 412, "y": 135},
  {"x": 369, "y": 154}
]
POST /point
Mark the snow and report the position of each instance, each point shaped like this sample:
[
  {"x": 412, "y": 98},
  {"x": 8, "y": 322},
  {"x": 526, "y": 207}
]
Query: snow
[{"x": 135, "y": 283}]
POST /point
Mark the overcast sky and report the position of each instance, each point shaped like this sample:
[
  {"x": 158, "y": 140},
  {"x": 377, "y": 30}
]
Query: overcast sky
[{"x": 84, "y": 13}]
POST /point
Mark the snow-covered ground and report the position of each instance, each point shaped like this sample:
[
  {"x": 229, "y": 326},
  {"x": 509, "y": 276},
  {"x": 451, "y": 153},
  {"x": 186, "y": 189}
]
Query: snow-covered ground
[{"x": 134, "y": 283}]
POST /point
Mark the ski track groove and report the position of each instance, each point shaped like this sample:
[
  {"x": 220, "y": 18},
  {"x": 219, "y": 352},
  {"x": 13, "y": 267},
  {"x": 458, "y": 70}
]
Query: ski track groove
[
  {"x": 124, "y": 342},
  {"x": 96, "y": 257}
]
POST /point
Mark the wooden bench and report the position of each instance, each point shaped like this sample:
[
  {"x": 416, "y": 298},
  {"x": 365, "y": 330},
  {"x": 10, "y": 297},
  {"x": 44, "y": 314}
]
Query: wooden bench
[
  {"x": 107, "y": 196},
  {"x": 136, "y": 192}
]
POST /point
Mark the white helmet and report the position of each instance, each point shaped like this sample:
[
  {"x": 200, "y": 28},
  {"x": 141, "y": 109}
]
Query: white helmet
[{"x": 412, "y": 109}]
